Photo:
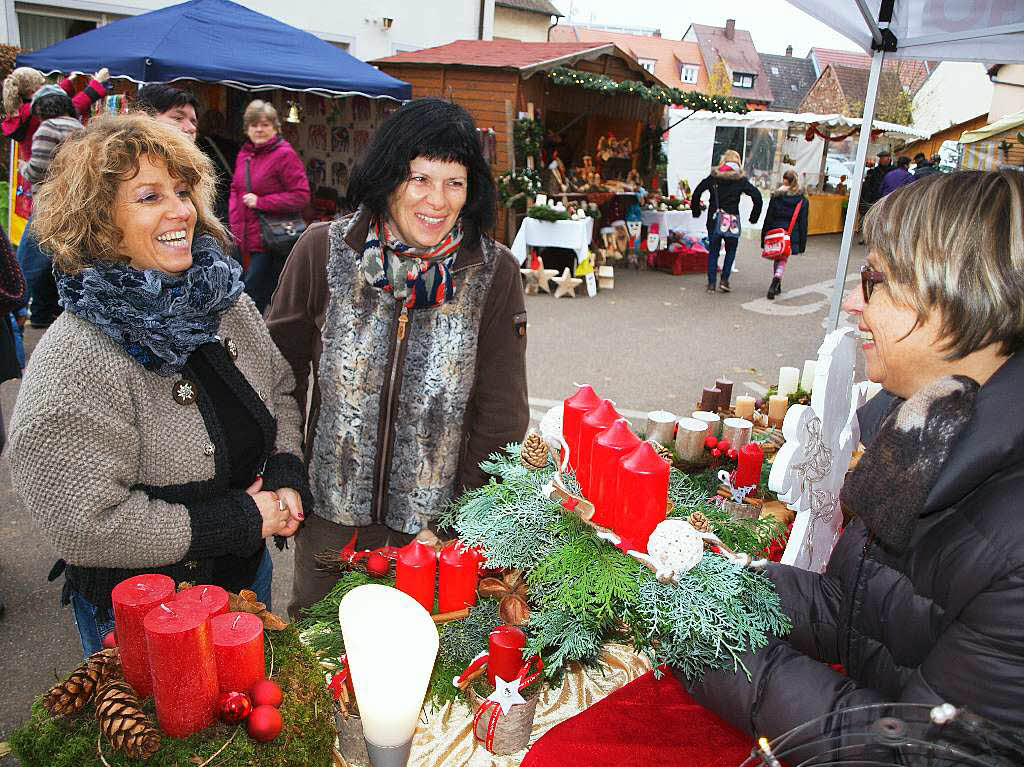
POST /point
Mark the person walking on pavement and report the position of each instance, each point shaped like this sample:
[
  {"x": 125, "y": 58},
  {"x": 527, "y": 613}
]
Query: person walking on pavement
[
  {"x": 924, "y": 167},
  {"x": 871, "y": 191},
  {"x": 787, "y": 210},
  {"x": 725, "y": 184},
  {"x": 897, "y": 177}
]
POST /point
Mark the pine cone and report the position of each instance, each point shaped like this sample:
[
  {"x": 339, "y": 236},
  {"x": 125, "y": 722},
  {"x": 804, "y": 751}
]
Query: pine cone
[
  {"x": 700, "y": 522},
  {"x": 69, "y": 696},
  {"x": 534, "y": 452},
  {"x": 661, "y": 450},
  {"x": 124, "y": 722}
]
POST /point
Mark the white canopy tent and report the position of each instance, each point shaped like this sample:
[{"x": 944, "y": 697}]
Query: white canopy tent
[{"x": 961, "y": 30}]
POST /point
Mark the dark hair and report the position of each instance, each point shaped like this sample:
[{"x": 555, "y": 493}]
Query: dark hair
[
  {"x": 902, "y": 162},
  {"x": 54, "y": 105},
  {"x": 919, "y": 157},
  {"x": 436, "y": 130},
  {"x": 157, "y": 98}
]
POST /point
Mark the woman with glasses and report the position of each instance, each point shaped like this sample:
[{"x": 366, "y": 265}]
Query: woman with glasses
[{"x": 922, "y": 600}]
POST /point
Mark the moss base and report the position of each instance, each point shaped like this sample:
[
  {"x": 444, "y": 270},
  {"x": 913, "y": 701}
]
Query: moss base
[{"x": 307, "y": 737}]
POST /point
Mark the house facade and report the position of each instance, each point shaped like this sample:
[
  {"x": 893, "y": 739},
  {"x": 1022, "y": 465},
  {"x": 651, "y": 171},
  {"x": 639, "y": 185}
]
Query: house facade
[
  {"x": 524, "y": 20},
  {"x": 843, "y": 89},
  {"x": 734, "y": 49},
  {"x": 790, "y": 79}
]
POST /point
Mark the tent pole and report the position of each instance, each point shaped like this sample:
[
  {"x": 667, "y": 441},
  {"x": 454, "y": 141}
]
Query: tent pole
[{"x": 855, "y": 188}]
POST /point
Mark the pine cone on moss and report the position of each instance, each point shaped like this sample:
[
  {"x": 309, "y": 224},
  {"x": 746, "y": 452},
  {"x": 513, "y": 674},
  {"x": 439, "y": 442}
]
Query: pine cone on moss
[
  {"x": 700, "y": 522},
  {"x": 124, "y": 722},
  {"x": 662, "y": 451},
  {"x": 69, "y": 696},
  {"x": 534, "y": 452}
]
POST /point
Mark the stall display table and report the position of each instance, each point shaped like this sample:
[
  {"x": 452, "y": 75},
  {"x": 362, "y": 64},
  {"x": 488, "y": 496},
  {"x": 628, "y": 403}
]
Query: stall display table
[
  {"x": 825, "y": 216},
  {"x": 676, "y": 221},
  {"x": 574, "y": 235}
]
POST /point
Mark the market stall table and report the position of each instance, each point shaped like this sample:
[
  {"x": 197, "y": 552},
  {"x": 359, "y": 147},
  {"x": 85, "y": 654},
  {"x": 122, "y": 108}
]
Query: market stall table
[
  {"x": 574, "y": 235},
  {"x": 825, "y": 214},
  {"x": 675, "y": 221}
]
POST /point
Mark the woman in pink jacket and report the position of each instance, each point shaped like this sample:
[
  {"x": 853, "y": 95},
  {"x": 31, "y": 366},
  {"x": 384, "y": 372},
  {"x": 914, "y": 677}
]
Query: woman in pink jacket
[{"x": 275, "y": 184}]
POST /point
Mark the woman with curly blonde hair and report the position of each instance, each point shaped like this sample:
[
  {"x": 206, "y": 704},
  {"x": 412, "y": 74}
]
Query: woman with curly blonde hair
[{"x": 154, "y": 430}]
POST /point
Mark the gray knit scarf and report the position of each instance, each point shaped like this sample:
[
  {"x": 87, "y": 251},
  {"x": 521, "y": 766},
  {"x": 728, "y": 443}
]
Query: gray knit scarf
[{"x": 158, "y": 319}]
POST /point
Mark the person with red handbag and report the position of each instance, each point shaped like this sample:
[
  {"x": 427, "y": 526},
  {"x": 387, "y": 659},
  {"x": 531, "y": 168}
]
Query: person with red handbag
[{"x": 784, "y": 233}]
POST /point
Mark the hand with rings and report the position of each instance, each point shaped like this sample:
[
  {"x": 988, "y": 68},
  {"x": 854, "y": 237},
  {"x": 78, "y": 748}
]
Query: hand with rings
[{"x": 274, "y": 509}]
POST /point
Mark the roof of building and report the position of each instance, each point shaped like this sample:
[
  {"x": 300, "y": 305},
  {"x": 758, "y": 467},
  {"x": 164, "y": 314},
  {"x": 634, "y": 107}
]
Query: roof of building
[
  {"x": 669, "y": 55},
  {"x": 531, "y": 6},
  {"x": 912, "y": 73},
  {"x": 853, "y": 81},
  {"x": 790, "y": 79},
  {"x": 738, "y": 54},
  {"x": 527, "y": 58}
]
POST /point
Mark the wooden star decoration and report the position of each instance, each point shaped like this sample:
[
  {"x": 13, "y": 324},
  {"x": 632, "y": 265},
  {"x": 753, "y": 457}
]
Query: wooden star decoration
[
  {"x": 566, "y": 284},
  {"x": 538, "y": 279}
]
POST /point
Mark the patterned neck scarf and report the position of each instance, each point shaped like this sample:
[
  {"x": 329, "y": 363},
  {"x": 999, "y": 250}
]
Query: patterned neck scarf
[{"x": 419, "y": 276}]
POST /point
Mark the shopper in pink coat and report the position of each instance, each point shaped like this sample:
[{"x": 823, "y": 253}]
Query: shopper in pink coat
[{"x": 277, "y": 185}]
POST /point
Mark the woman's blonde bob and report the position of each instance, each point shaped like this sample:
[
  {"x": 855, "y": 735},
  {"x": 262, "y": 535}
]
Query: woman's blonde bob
[
  {"x": 954, "y": 244},
  {"x": 730, "y": 155},
  {"x": 73, "y": 217},
  {"x": 259, "y": 110}
]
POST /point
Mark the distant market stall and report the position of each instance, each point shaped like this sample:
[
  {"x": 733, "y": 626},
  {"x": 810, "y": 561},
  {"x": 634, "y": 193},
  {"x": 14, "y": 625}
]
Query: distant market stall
[
  {"x": 996, "y": 145},
  {"x": 329, "y": 101}
]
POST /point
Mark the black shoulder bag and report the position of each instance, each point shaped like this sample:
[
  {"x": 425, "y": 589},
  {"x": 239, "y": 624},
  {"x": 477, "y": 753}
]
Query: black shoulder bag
[{"x": 280, "y": 232}]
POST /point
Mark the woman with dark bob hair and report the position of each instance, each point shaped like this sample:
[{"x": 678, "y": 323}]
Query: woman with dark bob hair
[
  {"x": 155, "y": 430},
  {"x": 413, "y": 320},
  {"x": 922, "y": 600}
]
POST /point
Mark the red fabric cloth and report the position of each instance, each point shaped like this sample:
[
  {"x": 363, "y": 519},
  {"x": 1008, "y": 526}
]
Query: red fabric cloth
[{"x": 653, "y": 722}]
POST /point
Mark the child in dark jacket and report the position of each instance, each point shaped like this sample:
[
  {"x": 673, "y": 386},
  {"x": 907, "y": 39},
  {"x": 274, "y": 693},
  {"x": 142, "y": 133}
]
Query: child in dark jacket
[{"x": 780, "y": 213}]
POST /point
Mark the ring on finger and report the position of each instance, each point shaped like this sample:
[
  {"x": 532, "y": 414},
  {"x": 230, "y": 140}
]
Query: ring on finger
[{"x": 280, "y": 504}]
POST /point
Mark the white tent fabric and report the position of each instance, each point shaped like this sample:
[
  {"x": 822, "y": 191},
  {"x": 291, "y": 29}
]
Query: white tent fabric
[
  {"x": 782, "y": 120},
  {"x": 961, "y": 30}
]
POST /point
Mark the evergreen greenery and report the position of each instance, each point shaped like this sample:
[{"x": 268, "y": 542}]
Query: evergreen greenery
[
  {"x": 547, "y": 213},
  {"x": 667, "y": 96},
  {"x": 516, "y": 185},
  {"x": 527, "y": 135}
]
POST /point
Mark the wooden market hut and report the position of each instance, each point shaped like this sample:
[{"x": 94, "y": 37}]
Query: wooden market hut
[{"x": 499, "y": 80}]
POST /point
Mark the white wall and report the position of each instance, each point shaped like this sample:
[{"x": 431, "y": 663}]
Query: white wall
[
  {"x": 417, "y": 24},
  {"x": 956, "y": 91},
  {"x": 514, "y": 24},
  {"x": 1007, "y": 99}
]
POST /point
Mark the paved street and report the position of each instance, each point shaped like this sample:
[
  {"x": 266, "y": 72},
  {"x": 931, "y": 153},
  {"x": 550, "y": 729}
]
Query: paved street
[{"x": 650, "y": 343}]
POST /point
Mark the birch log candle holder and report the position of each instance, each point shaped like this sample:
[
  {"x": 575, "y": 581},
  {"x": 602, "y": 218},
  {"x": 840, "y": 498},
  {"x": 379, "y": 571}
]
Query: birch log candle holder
[
  {"x": 690, "y": 438},
  {"x": 713, "y": 421},
  {"x": 737, "y": 431},
  {"x": 661, "y": 426}
]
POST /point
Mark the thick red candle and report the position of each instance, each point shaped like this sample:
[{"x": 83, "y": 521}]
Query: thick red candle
[
  {"x": 505, "y": 653},
  {"x": 748, "y": 466},
  {"x": 642, "y": 490},
  {"x": 573, "y": 409},
  {"x": 213, "y": 598},
  {"x": 415, "y": 571},
  {"x": 596, "y": 421},
  {"x": 238, "y": 651},
  {"x": 182, "y": 664},
  {"x": 609, "y": 448},
  {"x": 133, "y": 599},
  {"x": 457, "y": 585}
]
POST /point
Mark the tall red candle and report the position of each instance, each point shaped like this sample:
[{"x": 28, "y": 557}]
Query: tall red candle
[
  {"x": 748, "y": 466},
  {"x": 180, "y": 646},
  {"x": 573, "y": 409},
  {"x": 213, "y": 598},
  {"x": 505, "y": 647},
  {"x": 238, "y": 651},
  {"x": 642, "y": 490},
  {"x": 459, "y": 566},
  {"x": 133, "y": 599},
  {"x": 596, "y": 421},
  {"x": 609, "y": 447},
  {"x": 415, "y": 571}
]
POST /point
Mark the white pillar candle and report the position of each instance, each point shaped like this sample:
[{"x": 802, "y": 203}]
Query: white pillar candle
[
  {"x": 744, "y": 406},
  {"x": 661, "y": 426},
  {"x": 712, "y": 420},
  {"x": 788, "y": 379},
  {"x": 737, "y": 431},
  {"x": 807, "y": 379},
  {"x": 542, "y": 199},
  {"x": 690, "y": 438}
]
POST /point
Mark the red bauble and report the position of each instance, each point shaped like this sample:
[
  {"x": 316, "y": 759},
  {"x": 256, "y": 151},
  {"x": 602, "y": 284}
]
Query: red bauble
[
  {"x": 234, "y": 707},
  {"x": 266, "y": 693},
  {"x": 109, "y": 640},
  {"x": 377, "y": 565},
  {"x": 264, "y": 723},
  {"x": 724, "y": 445},
  {"x": 711, "y": 443},
  {"x": 716, "y": 453},
  {"x": 733, "y": 454}
]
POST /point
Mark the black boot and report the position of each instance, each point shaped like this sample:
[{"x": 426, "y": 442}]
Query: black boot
[{"x": 775, "y": 288}]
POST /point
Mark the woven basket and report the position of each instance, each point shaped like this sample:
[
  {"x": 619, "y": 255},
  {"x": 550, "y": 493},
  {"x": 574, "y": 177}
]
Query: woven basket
[{"x": 512, "y": 732}]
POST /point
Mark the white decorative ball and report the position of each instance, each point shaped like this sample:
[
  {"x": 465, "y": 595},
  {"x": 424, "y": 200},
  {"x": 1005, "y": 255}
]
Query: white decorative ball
[{"x": 675, "y": 545}]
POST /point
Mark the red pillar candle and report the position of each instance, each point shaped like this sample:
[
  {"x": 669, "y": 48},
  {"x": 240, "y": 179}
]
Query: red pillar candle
[
  {"x": 180, "y": 646},
  {"x": 573, "y": 409},
  {"x": 415, "y": 571},
  {"x": 642, "y": 490},
  {"x": 596, "y": 421},
  {"x": 459, "y": 566},
  {"x": 213, "y": 598},
  {"x": 133, "y": 599},
  {"x": 609, "y": 448},
  {"x": 505, "y": 647},
  {"x": 748, "y": 466},
  {"x": 238, "y": 651}
]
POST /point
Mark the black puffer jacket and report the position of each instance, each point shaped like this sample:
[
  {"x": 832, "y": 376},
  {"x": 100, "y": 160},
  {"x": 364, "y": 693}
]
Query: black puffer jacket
[
  {"x": 780, "y": 212},
  {"x": 725, "y": 187},
  {"x": 941, "y": 622}
]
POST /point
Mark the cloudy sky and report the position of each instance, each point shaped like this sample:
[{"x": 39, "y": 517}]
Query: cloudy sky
[{"x": 774, "y": 24}]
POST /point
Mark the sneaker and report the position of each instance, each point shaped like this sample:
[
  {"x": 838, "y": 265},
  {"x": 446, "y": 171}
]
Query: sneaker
[
  {"x": 711, "y": 287},
  {"x": 724, "y": 287}
]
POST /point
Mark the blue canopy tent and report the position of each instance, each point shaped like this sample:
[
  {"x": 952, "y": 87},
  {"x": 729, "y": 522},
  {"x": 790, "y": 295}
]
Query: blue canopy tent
[{"x": 217, "y": 41}]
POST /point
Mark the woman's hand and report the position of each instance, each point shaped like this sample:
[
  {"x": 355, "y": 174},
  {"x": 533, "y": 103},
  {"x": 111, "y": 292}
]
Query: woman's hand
[
  {"x": 102, "y": 76},
  {"x": 293, "y": 503},
  {"x": 250, "y": 200},
  {"x": 276, "y": 516}
]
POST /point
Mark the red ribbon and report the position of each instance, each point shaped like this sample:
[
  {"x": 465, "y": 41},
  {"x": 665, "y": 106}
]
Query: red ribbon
[
  {"x": 350, "y": 556},
  {"x": 339, "y": 679},
  {"x": 525, "y": 680},
  {"x": 812, "y": 131}
]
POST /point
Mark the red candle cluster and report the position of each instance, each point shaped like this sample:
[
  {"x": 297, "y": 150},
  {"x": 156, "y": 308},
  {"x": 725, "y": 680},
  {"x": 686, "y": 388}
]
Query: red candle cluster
[
  {"x": 593, "y": 424},
  {"x": 213, "y": 598},
  {"x": 573, "y": 409},
  {"x": 238, "y": 650},
  {"x": 749, "y": 463},
  {"x": 609, "y": 448},
  {"x": 505, "y": 647},
  {"x": 459, "y": 566},
  {"x": 415, "y": 572},
  {"x": 133, "y": 599},
  {"x": 642, "y": 494}
]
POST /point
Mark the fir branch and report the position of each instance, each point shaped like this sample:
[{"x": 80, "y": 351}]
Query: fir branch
[
  {"x": 460, "y": 642},
  {"x": 561, "y": 637},
  {"x": 319, "y": 626}
]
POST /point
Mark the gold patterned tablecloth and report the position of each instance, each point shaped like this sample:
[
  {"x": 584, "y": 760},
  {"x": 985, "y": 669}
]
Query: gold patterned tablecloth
[{"x": 444, "y": 737}]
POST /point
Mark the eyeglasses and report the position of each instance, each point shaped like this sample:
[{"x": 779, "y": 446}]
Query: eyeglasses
[{"x": 868, "y": 279}]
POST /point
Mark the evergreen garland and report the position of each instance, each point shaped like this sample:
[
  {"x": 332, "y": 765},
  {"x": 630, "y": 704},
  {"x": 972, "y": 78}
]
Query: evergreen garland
[
  {"x": 517, "y": 184},
  {"x": 667, "y": 96},
  {"x": 527, "y": 135},
  {"x": 547, "y": 213}
]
